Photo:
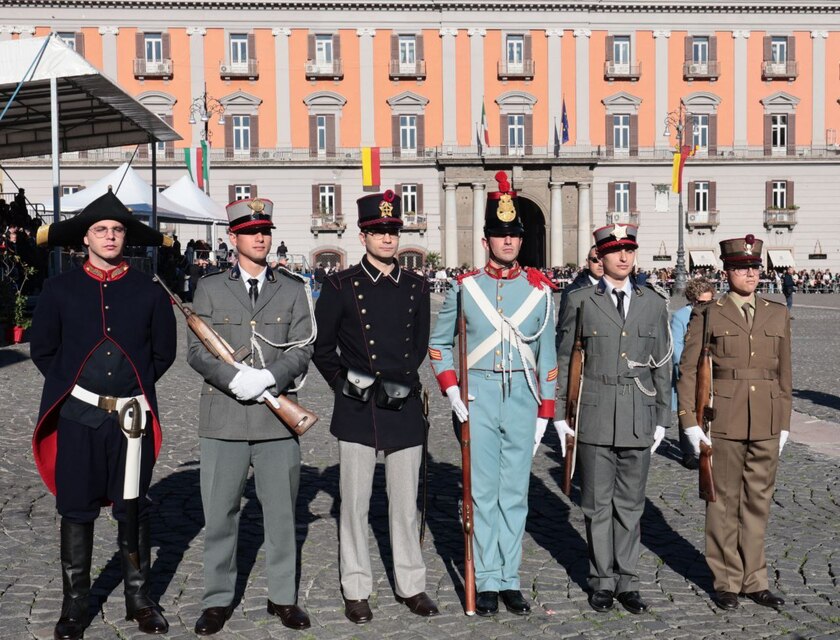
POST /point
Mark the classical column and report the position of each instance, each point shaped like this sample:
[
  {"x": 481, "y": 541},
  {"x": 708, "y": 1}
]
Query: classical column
[
  {"x": 556, "y": 234},
  {"x": 818, "y": 89},
  {"x": 450, "y": 86},
  {"x": 582, "y": 87},
  {"x": 555, "y": 81},
  {"x": 366, "y": 85},
  {"x": 476, "y": 77},
  {"x": 450, "y": 226},
  {"x": 109, "y": 51},
  {"x": 479, "y": 195},
  {"x": 584, "y": 221},
  {"x": 739, "y": 98},
  {"x": 282, "y": 81},
  {"x": 197, "y": 79},
  {"x": 661, "y": 106}
]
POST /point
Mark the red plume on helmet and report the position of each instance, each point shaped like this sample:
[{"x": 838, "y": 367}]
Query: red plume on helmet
[
  {"x": 388, "y": 196},
  {"x": 502, "y": 179},
  {"x": 750, "y": 239}
]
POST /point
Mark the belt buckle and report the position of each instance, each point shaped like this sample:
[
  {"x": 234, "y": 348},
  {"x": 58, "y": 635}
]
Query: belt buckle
[{"x": 107, "y": 403}]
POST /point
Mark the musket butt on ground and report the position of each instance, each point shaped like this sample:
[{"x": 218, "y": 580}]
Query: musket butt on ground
[{"x": 470, "y": 613}]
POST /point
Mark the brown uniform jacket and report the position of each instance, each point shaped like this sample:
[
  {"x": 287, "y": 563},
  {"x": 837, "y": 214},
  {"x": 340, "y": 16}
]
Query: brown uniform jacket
[{"x": 751, "y": 370}]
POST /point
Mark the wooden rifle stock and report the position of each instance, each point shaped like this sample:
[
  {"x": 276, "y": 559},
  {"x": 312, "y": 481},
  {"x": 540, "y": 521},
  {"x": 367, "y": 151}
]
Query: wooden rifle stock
[
  {"x": 466, "y": 468},
  {"x": 295, "y": 417},
  {"x": 573, "y": 391},
  {"x": 705, "y": 413}
]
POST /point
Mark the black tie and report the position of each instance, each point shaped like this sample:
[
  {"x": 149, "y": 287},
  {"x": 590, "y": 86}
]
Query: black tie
[
  {"x": 254, "y": 290},
  {"x": 620, "y": 297}
]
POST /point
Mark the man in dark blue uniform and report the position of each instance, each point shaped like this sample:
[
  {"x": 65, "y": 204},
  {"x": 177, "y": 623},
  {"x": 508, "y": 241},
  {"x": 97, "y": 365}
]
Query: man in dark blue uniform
[
  {"x": 377, "y": 316},
  {"x": 102, "y": 336}
]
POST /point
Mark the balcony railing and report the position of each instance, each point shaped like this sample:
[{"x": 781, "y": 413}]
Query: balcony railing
[
  {"x": 703, "y": 220},
  {"x": 324, "y": 70},
  {"x": 626, "y": 217},
  {"x": 516, "y": 70},
  {"x": 780, "y": 218},
  {"x": 414, "y": 222},
  {"x": 701, "y": 70},
  {"x": 238, "y": 70},
  {"x": 402, "y": 71},
  {"x": 327, "y": 223},
  {"x": 779, "y": 70},
  {"x": 152, "y": 69},
  {"x": 620, "y": 71}
]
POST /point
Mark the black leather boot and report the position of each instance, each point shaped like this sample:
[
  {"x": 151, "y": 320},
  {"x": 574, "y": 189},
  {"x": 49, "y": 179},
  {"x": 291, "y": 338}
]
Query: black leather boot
[
  {"x": 138, "y": 603},
  {"x": 76, "y": 553}
]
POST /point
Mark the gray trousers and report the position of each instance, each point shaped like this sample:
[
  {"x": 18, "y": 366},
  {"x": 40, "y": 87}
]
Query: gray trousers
[
  {"x": 402, "y": 470},
  {"x": 224, "y": 471},
  {"x": 613, "y": 481}
]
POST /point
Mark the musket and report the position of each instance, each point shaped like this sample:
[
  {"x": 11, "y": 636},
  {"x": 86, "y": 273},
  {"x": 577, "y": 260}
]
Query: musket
[
  {"x": 295, "y": 417},
  {"x": 424, "y": 471},
  {"x": 705, "y": 412},
  {"x": 466, "y": 467},
  {"x": 131, "y": 418},
  {"x": 575, "y": 387}
]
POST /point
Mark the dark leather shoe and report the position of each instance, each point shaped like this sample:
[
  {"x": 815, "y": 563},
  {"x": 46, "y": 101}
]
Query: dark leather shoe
[
  {"x": 690, "y": 461},
  {"x": 212, "y": 620},
  {"x": 357, "y": 611},
  {"x": 632, "y": 601},
  {"x": 291, "y": 615},
  {"x": 421, "y": 604},
  {"x": 487, "y": 603},
  {"x": 150, "y": 620},
  {"x": 726, "y": 600},
  {"x": 69, "y": 628},
  {"x": 601, "y": 600},
  {"x": 765, "y": 598},
  {"x": 515, "y": 602}
]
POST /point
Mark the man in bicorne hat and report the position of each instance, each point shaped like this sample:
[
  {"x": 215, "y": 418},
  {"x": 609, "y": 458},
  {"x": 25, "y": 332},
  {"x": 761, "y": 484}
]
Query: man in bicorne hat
[
  {"x": 102, "y": 336},
  {"x": 373, "y": 330},
  {"x": 512, "y": 374},
  {"x": 752, "y": 381},
  {"x": 624, "y": 404},
  {"x": 268, "y": 312}
]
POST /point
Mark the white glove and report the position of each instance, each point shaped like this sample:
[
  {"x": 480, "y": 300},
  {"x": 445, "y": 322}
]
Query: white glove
[
  {"x": 695, "y": 436},
  {"x": 250, "y": 383},
  {"x": 542, "y": 423},
  {"x": 563, "y": 430},
  {"x": 458, "y": 406},
  {"x": 657, "y": 438},
  {"x": 783, "y": 438}
]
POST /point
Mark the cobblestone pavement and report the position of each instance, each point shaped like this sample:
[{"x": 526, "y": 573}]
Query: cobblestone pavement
[{"x": 802, "y": 547}]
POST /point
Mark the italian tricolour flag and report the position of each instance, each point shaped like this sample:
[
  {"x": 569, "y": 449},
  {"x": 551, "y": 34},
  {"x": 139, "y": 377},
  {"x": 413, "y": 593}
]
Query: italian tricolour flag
[{"x": 198, "y": 164}]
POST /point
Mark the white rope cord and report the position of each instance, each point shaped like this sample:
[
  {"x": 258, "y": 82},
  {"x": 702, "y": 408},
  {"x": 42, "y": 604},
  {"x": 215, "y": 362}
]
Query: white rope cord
[
  {"x": 519, "y": 339},
  {"x": 652, "y": 362}
]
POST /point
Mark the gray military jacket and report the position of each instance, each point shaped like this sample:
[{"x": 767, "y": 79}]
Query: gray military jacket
[
  {"x": 614, "y": 410},
  {"x": 282, "y": 316}
]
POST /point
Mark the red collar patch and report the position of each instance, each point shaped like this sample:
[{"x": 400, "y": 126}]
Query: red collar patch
[
  {"x": 100, "y": 275},
  {"x": 503, "y": 274}
]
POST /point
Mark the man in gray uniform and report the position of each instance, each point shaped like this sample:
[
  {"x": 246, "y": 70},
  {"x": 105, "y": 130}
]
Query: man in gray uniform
[
  {"x": 272, "y": 314},
  {"x": 624, "y": 402}
]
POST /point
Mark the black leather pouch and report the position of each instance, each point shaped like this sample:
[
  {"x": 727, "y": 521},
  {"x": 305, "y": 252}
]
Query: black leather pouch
[
  {"x": 392, "y": 395},
  {"x": 358, "y": 385}
]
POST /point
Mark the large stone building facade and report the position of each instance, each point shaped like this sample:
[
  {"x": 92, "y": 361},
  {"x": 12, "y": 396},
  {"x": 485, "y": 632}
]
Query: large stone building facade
[{"x": 454, "y": 91}]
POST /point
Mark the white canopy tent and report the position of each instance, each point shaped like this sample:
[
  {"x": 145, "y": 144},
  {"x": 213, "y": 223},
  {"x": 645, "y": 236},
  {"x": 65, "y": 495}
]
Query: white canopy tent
[{"x": 185, "y": 194}]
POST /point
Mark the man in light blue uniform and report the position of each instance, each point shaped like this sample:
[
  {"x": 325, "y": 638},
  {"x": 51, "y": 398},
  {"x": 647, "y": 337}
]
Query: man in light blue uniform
[{"x": 512, "y": 376}]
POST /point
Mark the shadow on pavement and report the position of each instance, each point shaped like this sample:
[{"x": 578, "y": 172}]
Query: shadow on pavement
[
  {"x": 818, "y": 397},
  {"x": 9, "y": 357}
]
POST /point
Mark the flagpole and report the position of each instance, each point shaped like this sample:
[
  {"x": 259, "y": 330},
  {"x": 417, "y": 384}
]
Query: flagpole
[{"x": 676, "y": 119}]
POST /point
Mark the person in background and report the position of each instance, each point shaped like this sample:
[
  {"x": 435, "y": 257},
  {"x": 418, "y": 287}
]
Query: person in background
[{"x": 788, "y": 289}]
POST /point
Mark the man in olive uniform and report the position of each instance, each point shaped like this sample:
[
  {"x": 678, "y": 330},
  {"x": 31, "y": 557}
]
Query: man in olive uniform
[
  {"x": 751, "y": 377},
  {"x": 269, "y": 312},
  {"x": 373, "y": 331},
  {"x": 624, "y": 403}
]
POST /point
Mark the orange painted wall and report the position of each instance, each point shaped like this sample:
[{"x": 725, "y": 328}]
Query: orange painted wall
[
  {"x": 266, "y": 88},
  {"x": 299, "y": 89},
  {"x": 832, "y": 84},
  {"x": 93, "y": 46},
  {"x": 569, "y": 93},
  {"x": 803, "y": 88},
  {"x": 724, "y": 88},
  {"x": 431, "y": 87},
  {"x": 214, "y": 47},
  {"x": 493, "y": 87},
  {"x": 466, "y": 128},
  {"x": 600, "y": 88},
  {"x": 351, "y": 117},
  {"x": 538, "y": 88}
]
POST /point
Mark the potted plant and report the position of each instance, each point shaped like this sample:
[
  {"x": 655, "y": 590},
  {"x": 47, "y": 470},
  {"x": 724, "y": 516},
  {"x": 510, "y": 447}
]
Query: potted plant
[{"x": 20, "y": 321}]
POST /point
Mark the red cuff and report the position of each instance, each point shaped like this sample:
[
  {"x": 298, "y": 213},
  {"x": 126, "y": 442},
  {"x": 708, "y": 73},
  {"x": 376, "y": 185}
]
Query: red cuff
[
  {"x": 447, "y": 379},
  {"x": 546, "y": 409}
]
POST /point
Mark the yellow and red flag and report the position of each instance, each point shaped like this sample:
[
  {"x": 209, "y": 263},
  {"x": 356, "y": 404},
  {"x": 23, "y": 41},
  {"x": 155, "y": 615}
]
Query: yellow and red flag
[
  {"x": 680, "y": 157},
  {"x": 370, "y": 167}
]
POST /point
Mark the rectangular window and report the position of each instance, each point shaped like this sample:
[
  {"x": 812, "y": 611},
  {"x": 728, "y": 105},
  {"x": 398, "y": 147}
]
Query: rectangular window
[
  {"x": 621, "y": 132},
  {"x": 408, "y": 51},
  {"x": 516, "y": 135},
  {"x": 239, "y": 49},
  {"x": 779, "y": 194},
  {"x": 701, "y": 197},
  {"x": 622, "y": 197},
  {"x": 69, "y": 189},
  {"x": 778, "y": 50},
  {"x": 409, "y": 200},
  {"x": 324, "y": 50},
  {"x": 68, "y": 38},
  {"x": 408, "y": 133},
  {"x": 241, "y": 191},
  {"x": 154, "y": 47},
  {"x": 242, "y": 133},
  {"x": 621, "y": 53},
  {"x": 700, "y": 50},
  {"x": 321, "y": 124},
  {"x": 778, "y": 132},
  {"x": 700, "y": 135},
  {"x": 515, "y": 46},
  {"x": 326, "y": 201}
]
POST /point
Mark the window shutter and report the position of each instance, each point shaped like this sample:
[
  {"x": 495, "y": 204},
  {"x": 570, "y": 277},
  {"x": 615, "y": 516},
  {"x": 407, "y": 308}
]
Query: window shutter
[
  {"x": 143, "y": 151},
  {"x": 526, "y": 48},
  {"x": 712, "y": 134},
  {"x": 768, "y": 194},
  {"x": 634, "y": 135},
  {"x": 692, "y": 188},
  {"x": 310, "y": 47},
  {"x": 338, "y": 211},
  {"x": 791, "y": 134},
  {"x": 255, "y": 136},
  {"x": 529, "y": 134},
  {"x": 688, "y": 130},
  {"x": 231, "y": 192},
  {"x": 313, "y": 136},
  {"x": 252, "y": 47},
  {"x": 336, "y": 47},
  {"x": 395, "y": 47},
  {"x": 331, "y": 135},
  {"x": 611, "y": 196},
  {"x": 395, "y": 135},
  {"x": 610, "y": 138},
  {"x": 419, "y": 198},
  {"x": 609, "y": 52},
  {"x": 768, "y": 49},
  {"x": 689, "y": 53},
  {"x": 768, "y": 136},
  {"x": 316, "y": 202},
  {"x": 503, "y": 134},
  {"x": 169, "y": 153},
  {"x": 398, "y": 191},
  {"x": 789, "y": 200},
  {"x": 713, "y": 196},
  {"x": 253, "y": 191},
  {"x": 421, "y": 134},
  {"x": 166, "y": 46},
  {"x": 80, "y": 43},
  {"x": 791, "y": 48},
  {"x": 140, "y": 51},
  {"x": 633, "y": 207},
  {"x": 229, "y": 137},
  {"x": 712, "y": 49},
  {"x": 419, "y": 53}
]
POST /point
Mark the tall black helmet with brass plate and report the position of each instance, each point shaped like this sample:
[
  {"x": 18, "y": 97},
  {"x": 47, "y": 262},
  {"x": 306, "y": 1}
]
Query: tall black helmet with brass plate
[{"x": 501, "y": 217}]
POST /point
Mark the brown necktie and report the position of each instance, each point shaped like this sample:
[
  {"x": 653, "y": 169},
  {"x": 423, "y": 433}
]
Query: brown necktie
[{"x": 747, "y": 309}]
